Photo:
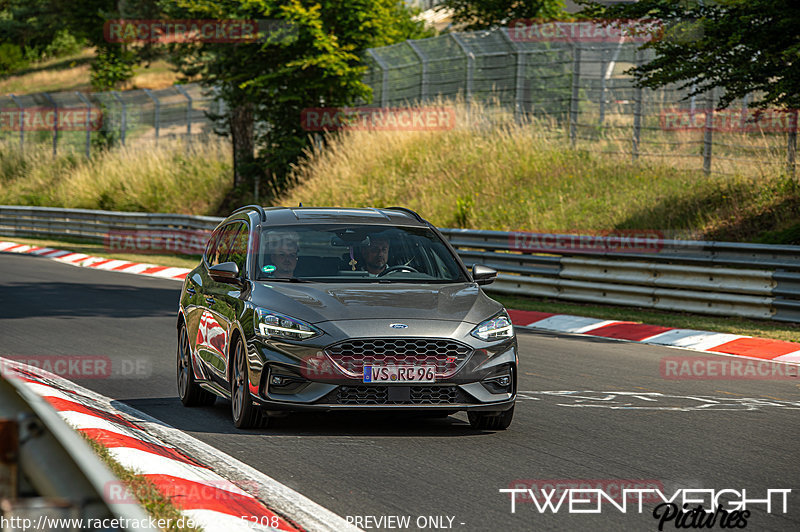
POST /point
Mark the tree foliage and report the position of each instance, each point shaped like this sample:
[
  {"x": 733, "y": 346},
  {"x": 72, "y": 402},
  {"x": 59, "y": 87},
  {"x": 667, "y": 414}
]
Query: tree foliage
[
  {"x": 267, "y": 84},
  {"x": 484, "y": 14},
  {"x": 743, "y": 46}
]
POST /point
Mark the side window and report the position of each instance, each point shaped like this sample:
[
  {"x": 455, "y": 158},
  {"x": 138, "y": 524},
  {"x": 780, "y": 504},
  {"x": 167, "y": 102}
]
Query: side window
[
  {"x": 238, "y": 251},
  {"x": 211, "y": 247},
  {"x": 222, "y": 245}
]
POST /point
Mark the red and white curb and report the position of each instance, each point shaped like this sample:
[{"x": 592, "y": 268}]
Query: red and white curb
[
  {"x": 98, "y": 263},
  {"x": 141, "y": 444},
  {"x": 710, "y": 342}
]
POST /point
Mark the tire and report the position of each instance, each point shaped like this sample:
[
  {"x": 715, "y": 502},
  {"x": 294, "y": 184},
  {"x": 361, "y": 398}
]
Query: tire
[
  {"x": 491, "y": 420},
  {"x": 245, "y": 415},
  {"x": 189, "y": 391}
]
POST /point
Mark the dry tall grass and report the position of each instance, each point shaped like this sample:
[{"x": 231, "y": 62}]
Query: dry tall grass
[
  {"x": 173, "y": 177},
  {"x": 493, "y": 173}
]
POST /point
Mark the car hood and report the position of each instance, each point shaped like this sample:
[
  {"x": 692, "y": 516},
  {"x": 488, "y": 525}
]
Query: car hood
[{"x": 319, "y": 302}]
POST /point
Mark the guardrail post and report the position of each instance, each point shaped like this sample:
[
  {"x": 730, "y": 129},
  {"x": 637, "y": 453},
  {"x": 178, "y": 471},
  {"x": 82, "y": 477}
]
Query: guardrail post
[
  {"x": 423, "y": 82},
  {"x": 157, "y": 112},
  {"x": 88, "y": 122},
  {"x": 791, "y": 144},
  {"x": 123, "y": 123},
  {"x": 55, "y": 122},
  {"x": 21, "y": 122},
  {"x": 573, "y": 101},
  {"x": 602, "y": 102},
  {"x": 637, "y": 114},
  {"x": 708, "y": 137},
  {"x": 470, "y": 64},
  {"x": 189, "y": 100}
]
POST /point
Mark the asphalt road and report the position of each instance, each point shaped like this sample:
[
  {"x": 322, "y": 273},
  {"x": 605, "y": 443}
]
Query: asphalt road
[{"x": 613, "y": 427}]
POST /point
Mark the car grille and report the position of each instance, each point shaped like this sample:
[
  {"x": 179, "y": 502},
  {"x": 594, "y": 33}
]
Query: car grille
[
  {"x": 352, "y": 355},
  {"x": 379, "y": 395}
]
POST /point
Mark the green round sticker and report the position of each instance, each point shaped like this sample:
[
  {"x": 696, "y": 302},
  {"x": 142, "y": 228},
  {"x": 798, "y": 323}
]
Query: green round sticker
[{"x": 269, "y": 268}]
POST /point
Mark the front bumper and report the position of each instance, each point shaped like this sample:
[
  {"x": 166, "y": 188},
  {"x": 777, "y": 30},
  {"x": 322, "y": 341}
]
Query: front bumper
[{"x": 472, "y": 387}]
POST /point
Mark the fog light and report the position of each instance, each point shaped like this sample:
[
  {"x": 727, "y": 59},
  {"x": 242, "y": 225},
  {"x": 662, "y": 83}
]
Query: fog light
[
  {"x": 277, "y": 380},
  {"x": 504, "y": 381}
]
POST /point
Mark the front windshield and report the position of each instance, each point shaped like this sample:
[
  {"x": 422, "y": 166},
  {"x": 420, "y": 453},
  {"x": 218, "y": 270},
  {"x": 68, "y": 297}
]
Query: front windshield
[{"x": 355, "y": 253}]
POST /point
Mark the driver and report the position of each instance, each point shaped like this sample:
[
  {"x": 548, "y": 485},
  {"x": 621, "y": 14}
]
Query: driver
[
  {"x": 376, "y": 254},
  {"x": 282, "y": 248}
]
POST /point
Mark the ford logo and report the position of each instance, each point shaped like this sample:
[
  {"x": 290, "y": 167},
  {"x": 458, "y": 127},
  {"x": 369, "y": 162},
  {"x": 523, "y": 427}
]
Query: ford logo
[{"x": 398, "y": 326}]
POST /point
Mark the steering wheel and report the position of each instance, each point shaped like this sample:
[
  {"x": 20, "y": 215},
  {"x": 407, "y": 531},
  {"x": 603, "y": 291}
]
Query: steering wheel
[{"x": 399, "y": 267}]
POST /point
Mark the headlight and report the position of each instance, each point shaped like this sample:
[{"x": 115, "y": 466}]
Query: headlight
[
  {"x": 274, "y": 325},
  {"x": 496, "y": 328}
]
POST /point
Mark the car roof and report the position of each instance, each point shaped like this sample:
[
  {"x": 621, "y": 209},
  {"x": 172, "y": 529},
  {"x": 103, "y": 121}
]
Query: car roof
[{"x": 334, "y": 215}]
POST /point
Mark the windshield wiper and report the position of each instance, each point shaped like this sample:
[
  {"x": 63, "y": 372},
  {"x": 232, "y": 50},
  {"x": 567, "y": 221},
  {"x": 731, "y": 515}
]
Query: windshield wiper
[{"x": 285, "y": 279}]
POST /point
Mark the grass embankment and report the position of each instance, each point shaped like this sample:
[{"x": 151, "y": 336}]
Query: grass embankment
[
  {"x": 150, "y": 498},
  {"x": 71, "y": 73},
  {"x": 508, "y": 177},
  {"x": 173, "y": 177}
]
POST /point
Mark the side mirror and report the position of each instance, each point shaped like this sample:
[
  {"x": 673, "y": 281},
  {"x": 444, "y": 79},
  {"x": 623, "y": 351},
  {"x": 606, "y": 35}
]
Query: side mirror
[
  {"x": 483, "y": 275},
  {"x": 226, "y": 272}
]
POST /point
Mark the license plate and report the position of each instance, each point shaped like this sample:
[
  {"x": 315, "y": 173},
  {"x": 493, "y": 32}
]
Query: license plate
[{"x": 400, "y": 374}]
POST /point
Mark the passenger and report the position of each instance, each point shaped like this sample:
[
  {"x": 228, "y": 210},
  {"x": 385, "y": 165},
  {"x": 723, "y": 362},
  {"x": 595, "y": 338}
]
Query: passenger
[
  {"x": 376, "y": 254},
  {"x": 281, "y": 253}
]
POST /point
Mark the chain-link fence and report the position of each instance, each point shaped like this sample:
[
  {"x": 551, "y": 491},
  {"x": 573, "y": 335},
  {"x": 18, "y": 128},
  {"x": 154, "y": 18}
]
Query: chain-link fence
[
  {"x": 579, "y": 91},
  {"x": 75, "y": 121}
]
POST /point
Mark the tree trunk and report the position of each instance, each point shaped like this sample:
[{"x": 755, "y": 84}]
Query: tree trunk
[{"x": 242, "y": 135}]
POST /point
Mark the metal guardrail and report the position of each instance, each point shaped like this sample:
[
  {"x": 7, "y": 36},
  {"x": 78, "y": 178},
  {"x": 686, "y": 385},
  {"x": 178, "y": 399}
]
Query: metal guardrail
[
  {"x": 703, "y": 277},
  {"x": 50, "y": 473}
]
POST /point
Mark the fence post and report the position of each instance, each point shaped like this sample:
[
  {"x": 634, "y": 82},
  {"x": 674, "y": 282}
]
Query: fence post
[
  {"x": 182, "y": 90},
  {"x": 602, "y": 102},
  {"x": 55, "y": 122},
  {"x": 21, "y": 123},
  {"x": 519, "y": 74},
  {"x": 708, "y": 137},
  {"x": 791, "y": 146},
  {"x": 123, "y": 123},
  {"x": 470, "y": 64},
  {"x": 423, "y": 88},
  {"x": 573, "y": 101},
  {"x": 384, "y": 77},
  {"x": 157, "y": 113},
  {"x": 88, "y": 122},
  {"x": 637, "y": 113}
]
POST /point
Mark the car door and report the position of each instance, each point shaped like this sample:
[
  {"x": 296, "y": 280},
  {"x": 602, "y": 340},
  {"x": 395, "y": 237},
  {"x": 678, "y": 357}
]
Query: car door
[{"x": 214, "y": 324}]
